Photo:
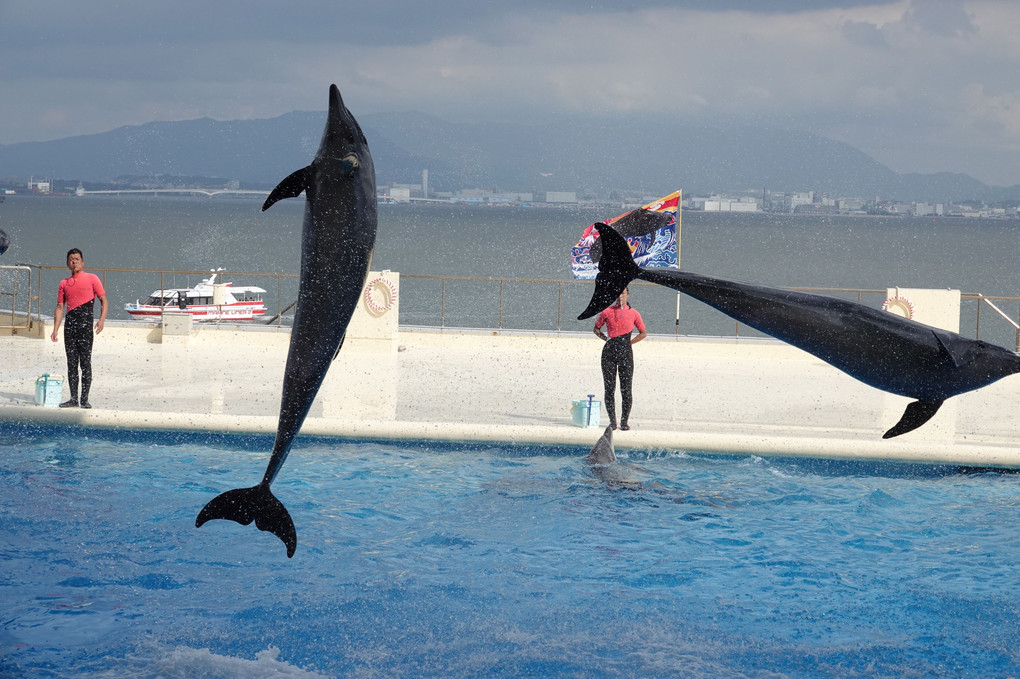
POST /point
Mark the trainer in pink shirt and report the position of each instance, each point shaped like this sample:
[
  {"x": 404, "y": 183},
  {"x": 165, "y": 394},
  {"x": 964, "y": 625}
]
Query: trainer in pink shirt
[
  {"x": 619, "y": 321},
  {"x": 80, "y": 289}
]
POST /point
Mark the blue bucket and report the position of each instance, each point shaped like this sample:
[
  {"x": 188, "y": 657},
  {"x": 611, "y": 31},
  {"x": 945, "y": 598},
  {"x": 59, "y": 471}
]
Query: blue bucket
[
  {"x": 48, "y": 389},
  {"x": 586, "y": 413}
]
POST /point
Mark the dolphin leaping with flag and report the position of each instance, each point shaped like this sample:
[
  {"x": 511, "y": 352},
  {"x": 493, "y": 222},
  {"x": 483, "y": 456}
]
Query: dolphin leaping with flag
[{"x": 881, "y": 349}]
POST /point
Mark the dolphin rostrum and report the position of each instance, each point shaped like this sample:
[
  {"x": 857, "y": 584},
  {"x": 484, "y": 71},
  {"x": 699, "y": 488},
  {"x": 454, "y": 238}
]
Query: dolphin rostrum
[
  {"x": 337, "y": 241},
  {"x": 881, "y": 349}
]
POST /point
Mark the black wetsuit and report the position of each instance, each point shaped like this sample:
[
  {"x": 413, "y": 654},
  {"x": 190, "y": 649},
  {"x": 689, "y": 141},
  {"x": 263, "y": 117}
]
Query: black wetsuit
[
  {"x": 618, "y": 357},
  {"x": 78, "y": 346}
]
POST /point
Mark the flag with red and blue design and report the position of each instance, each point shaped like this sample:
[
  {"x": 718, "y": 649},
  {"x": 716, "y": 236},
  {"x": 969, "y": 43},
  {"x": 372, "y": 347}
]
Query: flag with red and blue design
[{"x": 652, "y": 231}]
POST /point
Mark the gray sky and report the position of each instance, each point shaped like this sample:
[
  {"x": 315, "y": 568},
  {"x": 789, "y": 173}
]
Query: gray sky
[{"x": 920, "y": 85}]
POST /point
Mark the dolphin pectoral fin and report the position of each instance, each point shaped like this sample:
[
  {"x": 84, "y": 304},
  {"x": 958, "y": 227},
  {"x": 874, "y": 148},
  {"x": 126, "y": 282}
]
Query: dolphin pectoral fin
[
  {"x": 339, "y": 346},
  {"x": 291, "y": 187},
  {"x": 916, "y": 414},
  {"x": 257, "y": 504},
  {"x": 616, "y": 270}
]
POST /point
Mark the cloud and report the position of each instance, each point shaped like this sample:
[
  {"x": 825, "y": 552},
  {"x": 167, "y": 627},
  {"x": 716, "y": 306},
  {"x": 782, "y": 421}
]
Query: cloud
[
  {"x": 940, "y": 17},
  {"x": 922, "y": 85},
  {"x": 864, "y": 34}
]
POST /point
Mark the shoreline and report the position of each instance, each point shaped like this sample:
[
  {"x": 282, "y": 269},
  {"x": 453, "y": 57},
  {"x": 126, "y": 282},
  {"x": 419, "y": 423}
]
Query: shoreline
[{"x": 256, "y": 195}]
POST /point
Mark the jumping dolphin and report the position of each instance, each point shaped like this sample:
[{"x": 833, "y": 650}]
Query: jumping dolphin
[
  {"x": 4, "y": 242},
  {"x": 881, "y": 349},
  {"x": 337, "y": 241},
  {"x": 640, "y": 222}
]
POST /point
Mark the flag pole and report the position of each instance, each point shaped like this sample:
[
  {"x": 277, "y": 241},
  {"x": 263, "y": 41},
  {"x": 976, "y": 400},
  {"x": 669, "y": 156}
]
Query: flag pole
[
  {"x": 679, "y": 232},
  {"x": 677, "y": 331}
]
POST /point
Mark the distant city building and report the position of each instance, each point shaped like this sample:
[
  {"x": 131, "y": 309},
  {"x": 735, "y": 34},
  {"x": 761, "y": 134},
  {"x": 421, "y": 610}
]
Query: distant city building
[
  {"x": 801, "y": 198},
  {"x": 818, "y": 208},
  {"x": 489, "y": 197},
  {"x": 561, "y": 197},
  {"x": 39, "y": 186},
  {"x": 928, "y": 210},
  {"x": 740, "y": 205}
]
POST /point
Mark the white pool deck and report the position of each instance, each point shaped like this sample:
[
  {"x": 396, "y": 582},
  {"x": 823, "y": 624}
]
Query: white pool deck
[{"x": 726, "y": 395}]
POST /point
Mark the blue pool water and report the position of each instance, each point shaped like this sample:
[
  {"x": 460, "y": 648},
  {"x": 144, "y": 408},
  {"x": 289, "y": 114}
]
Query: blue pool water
[{"x": 461, "y": 561}]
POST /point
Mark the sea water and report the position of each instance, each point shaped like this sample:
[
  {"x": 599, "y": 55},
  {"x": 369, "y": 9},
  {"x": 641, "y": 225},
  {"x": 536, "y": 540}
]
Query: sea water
[
  {"x": 198, "y": 234},
  {"x": 467, "y": 561}
]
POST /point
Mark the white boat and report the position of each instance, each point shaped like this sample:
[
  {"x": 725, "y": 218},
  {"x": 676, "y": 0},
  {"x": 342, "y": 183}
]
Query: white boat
[{"x": 207, "y": 301}]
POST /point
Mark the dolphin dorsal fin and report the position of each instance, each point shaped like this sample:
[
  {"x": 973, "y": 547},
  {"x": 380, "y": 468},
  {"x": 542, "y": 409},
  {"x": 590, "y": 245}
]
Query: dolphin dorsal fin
[
  {"x": 291, "y": 187},
  {"x": 945, "y": 349}
]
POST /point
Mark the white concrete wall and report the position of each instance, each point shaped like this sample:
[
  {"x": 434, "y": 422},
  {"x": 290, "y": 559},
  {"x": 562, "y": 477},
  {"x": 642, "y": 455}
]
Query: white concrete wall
[
  {"x": 937, "y": 308},
  {"x": 700, "y": 394},
  {"x": 362, "y": 382}
]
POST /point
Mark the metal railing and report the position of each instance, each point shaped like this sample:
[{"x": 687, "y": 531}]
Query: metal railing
[
  {"x": 140, "y": 274},
  {"x": 508, "y": 303},
  {"x": 990, "y": 301},
  {"x": 13, "y": 283},
  {"x": 858, "y": 294}
]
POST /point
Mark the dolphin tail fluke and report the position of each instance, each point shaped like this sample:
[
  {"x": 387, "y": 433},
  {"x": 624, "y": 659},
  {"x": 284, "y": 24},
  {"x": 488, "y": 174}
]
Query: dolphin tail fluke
[
  {"x": 291, "y": 187},
  {"x": 616, "y": 270},
  {"x": 257, "y": 504},
  {"x": 916, "y": 414}
]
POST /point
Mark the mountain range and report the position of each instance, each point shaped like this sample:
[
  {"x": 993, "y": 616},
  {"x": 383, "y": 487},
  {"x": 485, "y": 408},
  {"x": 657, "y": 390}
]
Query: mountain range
[{"x": 590, "y": 156}]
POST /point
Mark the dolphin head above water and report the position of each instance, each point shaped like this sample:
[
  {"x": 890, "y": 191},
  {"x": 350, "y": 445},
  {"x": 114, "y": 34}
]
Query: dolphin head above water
[
  {"x": 991, "y": 362},
  {"x": 342, "y": 156},
  {"x": 603, "y": 451},
  {"x": 602, "y": 463},
  {"x": 342, "y": 134}
]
